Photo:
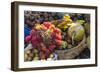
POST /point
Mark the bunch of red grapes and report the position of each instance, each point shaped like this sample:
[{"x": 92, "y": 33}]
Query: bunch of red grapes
[{"x": 45, "y": 38}]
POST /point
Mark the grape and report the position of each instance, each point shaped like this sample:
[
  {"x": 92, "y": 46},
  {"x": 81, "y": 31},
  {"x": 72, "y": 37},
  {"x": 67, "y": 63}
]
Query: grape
[{"x": 36, "y": 58}]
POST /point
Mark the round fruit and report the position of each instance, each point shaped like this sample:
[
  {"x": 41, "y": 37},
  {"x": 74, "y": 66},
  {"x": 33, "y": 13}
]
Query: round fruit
[
  {"x": 64, "y": 44},
  {"x": 28, "y": 51},
  {"x": 51, "y": 47},
  {"x": 58, "y": 42},
  {"x": 76, "y": 32},
  {"x": 28, "y": 38},
  {"x": 51, "y": 55},
  {"x": 47, "y": 24},
  {"x": 36, "y": 58},
  {"x": 35, "y": 51},
  {"x": 42, "y": 36}
]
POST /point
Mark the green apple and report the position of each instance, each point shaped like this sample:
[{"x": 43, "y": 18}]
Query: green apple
[{"x": 64, "y": 44}]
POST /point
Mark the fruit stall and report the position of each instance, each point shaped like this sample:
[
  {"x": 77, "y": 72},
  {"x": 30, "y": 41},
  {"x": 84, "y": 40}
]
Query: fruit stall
[{"x": 56, "y": 36}]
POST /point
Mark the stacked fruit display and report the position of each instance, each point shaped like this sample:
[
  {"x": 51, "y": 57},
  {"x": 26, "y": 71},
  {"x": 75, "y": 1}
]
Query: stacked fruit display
[{"x": 44, "y": 39}]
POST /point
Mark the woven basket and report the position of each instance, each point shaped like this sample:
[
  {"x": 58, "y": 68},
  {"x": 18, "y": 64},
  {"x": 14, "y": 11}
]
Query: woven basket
[{"x": 73, "y": 52}]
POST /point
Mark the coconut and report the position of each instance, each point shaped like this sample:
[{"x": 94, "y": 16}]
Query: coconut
[{"x": 76, "y": 32}]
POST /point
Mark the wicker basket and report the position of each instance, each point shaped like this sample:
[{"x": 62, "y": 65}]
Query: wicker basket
[{"x": 73, "y": 52}]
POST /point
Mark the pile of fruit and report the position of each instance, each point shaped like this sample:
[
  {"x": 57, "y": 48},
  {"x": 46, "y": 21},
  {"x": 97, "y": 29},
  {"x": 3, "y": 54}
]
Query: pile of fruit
[
  {"x": 32, "y": 17},
  {"x": 46, "y": 37}
]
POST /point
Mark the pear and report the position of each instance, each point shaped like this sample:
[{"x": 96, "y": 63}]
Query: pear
[{"x": 76, "y": 32}]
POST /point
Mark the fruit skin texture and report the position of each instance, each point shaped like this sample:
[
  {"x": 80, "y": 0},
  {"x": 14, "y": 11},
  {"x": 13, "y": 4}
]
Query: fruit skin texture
[
  {"x": 41, "y": 38},
  {"x": 77, "y": 31}
]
